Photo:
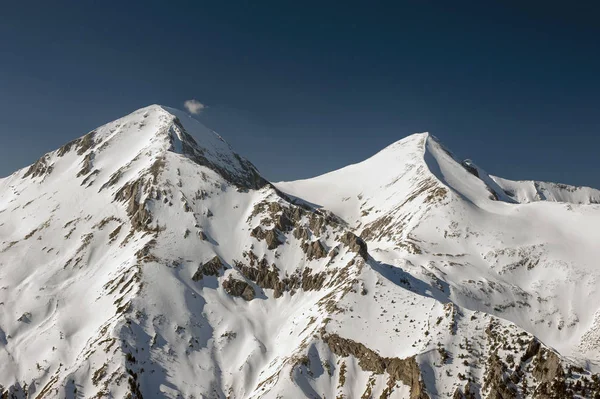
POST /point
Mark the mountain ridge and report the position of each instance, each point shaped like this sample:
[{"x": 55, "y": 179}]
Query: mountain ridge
[{"x": 176, "y": 270}]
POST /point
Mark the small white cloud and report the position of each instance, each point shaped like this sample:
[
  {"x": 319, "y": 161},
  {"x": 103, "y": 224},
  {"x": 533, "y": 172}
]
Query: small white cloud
[{"x": 194, "y": 106}]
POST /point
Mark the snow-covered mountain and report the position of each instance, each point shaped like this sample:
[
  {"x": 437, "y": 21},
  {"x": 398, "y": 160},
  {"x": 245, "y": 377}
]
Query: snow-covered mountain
[{"x": 148, "y": 259}]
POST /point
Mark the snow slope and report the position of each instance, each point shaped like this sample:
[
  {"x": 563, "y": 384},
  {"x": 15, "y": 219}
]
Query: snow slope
[
  {"x": 529, "y": 191},
  {"x": 533, "y": 263},
  {"x": 148, "y": 259}
]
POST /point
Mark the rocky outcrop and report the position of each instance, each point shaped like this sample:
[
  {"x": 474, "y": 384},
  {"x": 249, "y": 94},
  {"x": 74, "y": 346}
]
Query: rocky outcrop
[
  {"x": 355, "y": 244},
  {"x": 403, "y": 370},
  {"x": 506, "y": 378},
  {"x": 547, "y": 366},
  {"x": 239, "y": 288},
  {"x": 378, "y": 228},
  {"x": 469, "y": 167},
  {"x": 264, "y": 276},
  {"x": 300, "y": 233},
  {"x": 549, "y": 372},
  {"x": 300, "y": 219},
  {"x": 283, "y": 222},
  {"x": 258, "y": 233},
  {"x": 39, "y": 168},
  {"x": 310, "y": 281},
  {"x": 314, "y": 250},
  {"x": 267, "y": 277},
  {"x": 82, "y": 144},
  {"x": 137, "y": 210},
  {"x": 468, "y": 392},
  {"x": 532, "y": 349},
  {"x": 272, "y": 239},
  {"x": 496, "y": 380},
  {"x": 86, "y": 165},
  {"x": 210, "y": 268},
  {"x": 270, "y": 236}
]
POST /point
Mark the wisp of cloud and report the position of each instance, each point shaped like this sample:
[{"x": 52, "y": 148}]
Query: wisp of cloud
[{"x": 194, "y": 106}]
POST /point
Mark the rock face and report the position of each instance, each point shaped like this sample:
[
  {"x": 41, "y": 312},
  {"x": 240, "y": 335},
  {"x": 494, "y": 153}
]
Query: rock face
[
  {"x": 268, "y": 277},
  {"x": 239, "y": 288},
  {"x": 314, "y": 250},
  {"x": 404, "y": 370},
  {"x": 210, "y": 268},
  {"x": 272, "y": 239},
  {"x": 355, "y": 244},
  {"x": 148, "y": 259},
  {"x": 264, "y": 276}
]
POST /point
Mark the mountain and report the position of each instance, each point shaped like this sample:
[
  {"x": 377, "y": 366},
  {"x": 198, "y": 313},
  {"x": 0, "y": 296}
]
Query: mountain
[{"x": 148, "y": 259}]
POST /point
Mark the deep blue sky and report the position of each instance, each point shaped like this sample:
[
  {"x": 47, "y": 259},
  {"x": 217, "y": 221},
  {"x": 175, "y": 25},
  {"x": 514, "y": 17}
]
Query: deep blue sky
[{"x": 301, "y": 88}]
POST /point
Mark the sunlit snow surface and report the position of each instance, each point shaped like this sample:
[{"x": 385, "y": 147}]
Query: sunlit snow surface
[{"x": 100, "y": 241}]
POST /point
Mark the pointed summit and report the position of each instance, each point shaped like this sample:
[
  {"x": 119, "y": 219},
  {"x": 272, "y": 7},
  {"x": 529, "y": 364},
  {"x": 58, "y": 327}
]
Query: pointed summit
[
  {"x": 140, "y": 141},
  {"x": 207, "y": 148}
]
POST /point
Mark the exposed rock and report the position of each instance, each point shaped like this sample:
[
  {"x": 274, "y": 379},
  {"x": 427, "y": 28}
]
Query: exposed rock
[
  {"x": 550, "y": 374},
  {"x": 102, "y": 224},
  {"x": 258, "y": 233},
  {"x": 499, "y": 380},
  {"x": 39, "y": 168},
  {"x": 333, "y": 253},
  {"x": 113, "y": 235},
  {"x": 312, "y": 281},
  {"x": 270, "y": 236},
  {"x": 404, "y": 370},
  {"x": 469, "y": 167},
  {"x": 496, "y": 381},
  {"x": 85, "y": 143},
  {"x": 202, "y": 235},
  {"x": 368, "y": 359},
  {"x": 283, "y": 222},
  {"x": 532, "y": 349},
  {"x": 15, "y": 392},
  {"x": 210, "y": 268},
  {"x": 301, "y": 233},
  {"x": 468, "y": 392},
  {"x": 82, "y": 144},
  {"x": 85, "y": 181},
  {"x": 377, "y": 228},
  {"x": 157, "y": 167},
  {"x": 239, "y": 288},
  {"x": 272, "y": 239},
  {"x": 316, "y": 223},
  {"x": 263, "y": 276},
  {"x": 389, "y": 228},
  {"x": 493, "y": 195},
  {"x": 144, "y": 255},
  {"x": 25, "y": 317},
  {"x": 407, "y": 371},
  {"x": 283, "y": 218},
  {"x": 355, "y": 244},
  {"x": 87, "y": 164},
  {"x": 137, "y": 211},
  {"x": 314, "y": 250},
  {"x": 267, "y": 277},
  {"x": 245, "y": 178},
  {"x": 114, "y": 179}
]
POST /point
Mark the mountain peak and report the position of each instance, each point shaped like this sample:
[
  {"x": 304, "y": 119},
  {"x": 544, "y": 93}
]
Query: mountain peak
[
  {"x": 207, "y": 148},
  {"x": 141, "y": 140}
]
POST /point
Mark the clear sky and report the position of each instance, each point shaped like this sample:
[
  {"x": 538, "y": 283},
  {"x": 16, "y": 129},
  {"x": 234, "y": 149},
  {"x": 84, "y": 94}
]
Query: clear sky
[{"x": 301, "y": 87}]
